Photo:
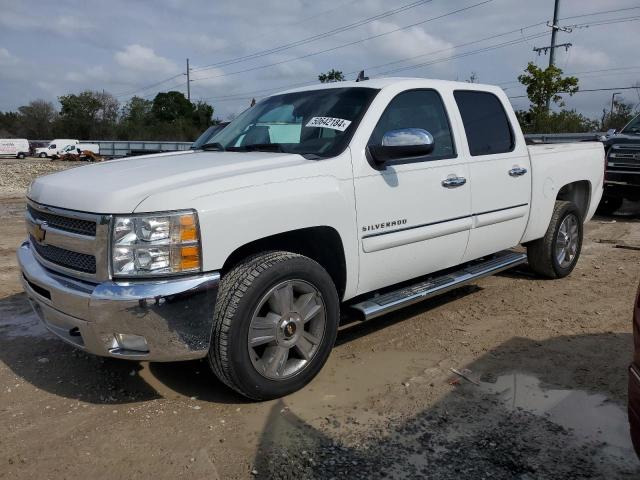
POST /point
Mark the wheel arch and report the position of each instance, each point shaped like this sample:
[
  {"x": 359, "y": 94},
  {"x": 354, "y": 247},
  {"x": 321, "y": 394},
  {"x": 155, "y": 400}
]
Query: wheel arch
[
  {"x": 320, "y": 243},
  {"x": 579, "y": 193}
]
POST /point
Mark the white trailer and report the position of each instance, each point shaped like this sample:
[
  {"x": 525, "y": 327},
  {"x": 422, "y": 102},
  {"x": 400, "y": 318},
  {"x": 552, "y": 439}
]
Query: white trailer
[{"x": 15, "y": 147}]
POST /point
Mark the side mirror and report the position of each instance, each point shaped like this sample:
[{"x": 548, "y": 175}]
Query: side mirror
[
  {"x": 403, "y": 143},
  {"x": 611, "y": 132}
]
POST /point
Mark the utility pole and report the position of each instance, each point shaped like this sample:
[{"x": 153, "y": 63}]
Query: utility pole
[
  {"x": 613, "y": 96},
  {"x": 554, "y": 31},
  {"x": 189, "y": 81},
  {"x": 552, "y": 48}
]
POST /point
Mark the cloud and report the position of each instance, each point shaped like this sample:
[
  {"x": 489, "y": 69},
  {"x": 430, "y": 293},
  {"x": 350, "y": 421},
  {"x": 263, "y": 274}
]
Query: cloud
[
  {"x": 97, "y": 72},
  {"x": 70, "y": 25},
  {"x": 138, "y": 58},
  {"x": 203, "y": 43},
  {"x": 581, "y": 57},
  {"x": 408, "y": 43},
  {"x": 6, "y": 59}
]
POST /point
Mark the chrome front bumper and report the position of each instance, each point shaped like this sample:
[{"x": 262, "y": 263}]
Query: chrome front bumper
[{"x": 174, "y": 316}]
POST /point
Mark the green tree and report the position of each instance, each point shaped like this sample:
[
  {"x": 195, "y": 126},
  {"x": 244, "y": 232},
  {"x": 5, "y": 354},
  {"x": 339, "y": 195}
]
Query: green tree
[
  {"x": 36, "y": 119},
  {"x": 88, "y": 115},
  {"x": 331, "y": 76},
  {"x": 9, "y": 124},
  {"x": 545, "y": 86},
  {"x": 171, "y": 106},
  {"x": 135, "y": 119},
  {"x": 202, "y": 116},
  {"x": 564, "y": 121},
  {"x": 621, "y": 115}
]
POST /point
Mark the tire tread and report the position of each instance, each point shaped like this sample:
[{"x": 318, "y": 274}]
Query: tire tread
[
  {"x": 233, "y": 287},
  {"x": 540, "y": 252}
]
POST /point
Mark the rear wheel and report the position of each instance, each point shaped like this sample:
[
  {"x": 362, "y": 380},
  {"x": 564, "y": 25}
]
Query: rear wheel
[
  {"x": 21, "y": 155},
  {"x": 555, "y": 255},
  {"x": 275, "y": 323},
  {"x": 43, "y": 155}
]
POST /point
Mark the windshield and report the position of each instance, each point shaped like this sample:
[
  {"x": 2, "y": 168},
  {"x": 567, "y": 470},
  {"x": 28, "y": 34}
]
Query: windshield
[
  {"x": 314, "y": 123},
  {"x": 208, "y": 133},
  {"x": 633, "y": 126}
]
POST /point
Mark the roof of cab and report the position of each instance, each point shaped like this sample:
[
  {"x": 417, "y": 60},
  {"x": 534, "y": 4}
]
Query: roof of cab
[{"x": 381, "y": 83}]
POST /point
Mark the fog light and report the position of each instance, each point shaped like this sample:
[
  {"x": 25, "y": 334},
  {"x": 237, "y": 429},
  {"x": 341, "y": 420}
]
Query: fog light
[{"x": 127, "y": 341}]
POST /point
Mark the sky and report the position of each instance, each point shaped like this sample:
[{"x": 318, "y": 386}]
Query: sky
[{"x": 243, "y": 49}]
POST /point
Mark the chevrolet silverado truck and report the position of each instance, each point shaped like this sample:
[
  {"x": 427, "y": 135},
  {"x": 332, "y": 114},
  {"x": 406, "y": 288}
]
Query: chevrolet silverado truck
[
  {"x": 359, "y": 197},
  {"x": 622, "y": 176}
]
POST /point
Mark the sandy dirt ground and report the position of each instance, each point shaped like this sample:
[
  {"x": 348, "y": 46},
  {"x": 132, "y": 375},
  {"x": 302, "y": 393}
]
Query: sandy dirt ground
[{"x": 546, "y": 397}]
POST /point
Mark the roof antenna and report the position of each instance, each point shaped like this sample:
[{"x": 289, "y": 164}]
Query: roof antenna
[{"x": 361, "y": 77}]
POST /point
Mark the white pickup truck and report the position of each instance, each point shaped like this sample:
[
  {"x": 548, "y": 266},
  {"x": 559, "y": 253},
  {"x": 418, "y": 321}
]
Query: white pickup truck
[{"x": 355, "y": 196}]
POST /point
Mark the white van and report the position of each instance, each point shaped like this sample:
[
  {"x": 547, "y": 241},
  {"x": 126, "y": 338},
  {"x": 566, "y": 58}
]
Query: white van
[
  {"x": 15, "y": 147},
  {"x": 55, "y": 148}
]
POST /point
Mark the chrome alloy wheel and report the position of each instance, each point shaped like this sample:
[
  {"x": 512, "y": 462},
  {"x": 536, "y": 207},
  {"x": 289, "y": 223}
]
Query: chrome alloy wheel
[
  {"x": 567, "y": 241},
  {"x": 286, "y": 329}
]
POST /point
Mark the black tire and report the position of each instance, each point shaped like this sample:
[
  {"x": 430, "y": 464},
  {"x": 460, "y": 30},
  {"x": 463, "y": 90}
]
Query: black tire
[
  {"x": 541, "y": 252},
  {"x": 608, "y": 205},
  {"x": 43, "y": 155},
  {"x": 21, "y": 155},
  {"x": 240, "y": 292}
]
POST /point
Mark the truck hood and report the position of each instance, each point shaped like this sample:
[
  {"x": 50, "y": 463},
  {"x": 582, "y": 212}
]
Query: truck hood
[
  {"x": 622, "y": 138},
  {"x": 119, "y": 186}
]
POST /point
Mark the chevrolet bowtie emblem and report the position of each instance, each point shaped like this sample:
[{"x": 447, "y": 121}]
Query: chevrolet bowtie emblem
[{"x": 40, "y": 231}]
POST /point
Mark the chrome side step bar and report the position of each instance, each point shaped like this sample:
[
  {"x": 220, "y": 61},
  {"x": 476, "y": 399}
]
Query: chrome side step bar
[{"x": 408, "y": 295}]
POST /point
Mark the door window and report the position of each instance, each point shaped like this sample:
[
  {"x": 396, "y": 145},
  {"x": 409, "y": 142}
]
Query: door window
[
  {"x": 485, "y": 122},
  {"x": 418, "y": 109}
]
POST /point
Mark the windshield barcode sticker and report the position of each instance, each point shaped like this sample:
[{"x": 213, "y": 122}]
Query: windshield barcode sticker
[{"x": 329, "y": 122}]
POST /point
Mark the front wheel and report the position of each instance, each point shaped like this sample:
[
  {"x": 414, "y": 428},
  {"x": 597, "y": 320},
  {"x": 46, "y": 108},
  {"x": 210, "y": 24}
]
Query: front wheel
[
  {"x": 275, "y": 323},
  {"x": 555, "y": 255},
  {"x": 43, "y": 155}
]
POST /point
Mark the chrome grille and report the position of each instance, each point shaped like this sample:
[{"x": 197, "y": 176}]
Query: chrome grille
[
  {"x": 67, "y": 224},
  {"x": 65, "y": 258},
  {"x": 624, "y": 156},
  {"x": 70, "y": 242}
]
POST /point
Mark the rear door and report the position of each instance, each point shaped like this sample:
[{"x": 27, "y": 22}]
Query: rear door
[
  {"x": 411, "y": 221},
  {"x": 499, "y": 169}
]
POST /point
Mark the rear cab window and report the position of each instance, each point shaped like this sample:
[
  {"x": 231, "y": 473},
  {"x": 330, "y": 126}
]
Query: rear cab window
[{"x": 485, "y": 123}]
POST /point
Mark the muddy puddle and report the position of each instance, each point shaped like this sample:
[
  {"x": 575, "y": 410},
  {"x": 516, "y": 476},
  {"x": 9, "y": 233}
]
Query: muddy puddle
[{"x": 591, "y": 417}]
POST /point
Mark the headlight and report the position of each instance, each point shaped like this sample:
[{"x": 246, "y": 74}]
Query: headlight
[{"x": 158, "y": 244}]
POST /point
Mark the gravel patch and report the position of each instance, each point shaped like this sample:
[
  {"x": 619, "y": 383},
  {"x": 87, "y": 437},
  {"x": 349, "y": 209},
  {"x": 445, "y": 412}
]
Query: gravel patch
[{"x": 16, "y": 174}]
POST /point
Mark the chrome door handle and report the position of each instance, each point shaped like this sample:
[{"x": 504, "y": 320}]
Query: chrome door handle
[
  {"x": 453, "y": 182},
  {"x": 517, "y": 171}
]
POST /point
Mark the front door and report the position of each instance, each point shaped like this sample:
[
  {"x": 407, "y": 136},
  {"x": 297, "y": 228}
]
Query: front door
[{"x": 412, "y": 218}]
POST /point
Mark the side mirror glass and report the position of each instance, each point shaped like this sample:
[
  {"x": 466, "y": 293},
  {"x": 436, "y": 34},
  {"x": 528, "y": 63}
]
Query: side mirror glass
[{"x": 403, "y": 143}]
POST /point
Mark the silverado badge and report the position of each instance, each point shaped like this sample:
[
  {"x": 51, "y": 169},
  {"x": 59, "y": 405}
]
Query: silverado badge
[{"x": 40, "y": 231}]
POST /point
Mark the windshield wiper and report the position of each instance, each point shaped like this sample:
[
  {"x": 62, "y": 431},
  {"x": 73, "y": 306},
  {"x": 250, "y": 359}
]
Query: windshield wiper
[
  {"x": 258, "y": 147},
  {"x": 215, "y": 146}
]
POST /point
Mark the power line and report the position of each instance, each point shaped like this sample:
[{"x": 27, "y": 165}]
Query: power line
[
  {"x": 584, "y": 72},
  {"x": 238, "y": 96},
  {"x": 313, "y": 38},
  {"x": 465, "y": 54},
  {"x": 603, "y": 12},
  {"x": 141, "y": 89},
  {"x": 607, "y": 89},
  {"x": 344, "y": 45},
  {"x": 371, "y": 67},
  {"x": 160, "y": 82},
  {"x": 259, "y": 67},
  {"x": 512, "y": 42}
]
